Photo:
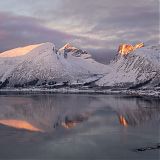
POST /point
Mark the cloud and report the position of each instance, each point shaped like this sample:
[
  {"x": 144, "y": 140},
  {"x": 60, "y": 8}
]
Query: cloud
[
  {"x": 16, "y": 31},
  {"x": 124, "y": 20},
  {"x": 98, "y": 26},
  {"x": 104, "y": 22}
]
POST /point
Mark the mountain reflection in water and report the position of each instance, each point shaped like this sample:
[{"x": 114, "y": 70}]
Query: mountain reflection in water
[
  {"x": 68, "y": 126},
  {"x": 144, "y": 112},
  {"x": 46, "y": 114},
  {"x": 40, "y": 114},
  {"x": 19, "y": 124}
]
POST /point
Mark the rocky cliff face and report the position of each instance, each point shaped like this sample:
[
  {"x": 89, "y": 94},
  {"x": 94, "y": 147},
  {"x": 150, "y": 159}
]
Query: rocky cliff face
[
  {"x": 125, "y": 49},
  {"x": 76, "y": 52}
]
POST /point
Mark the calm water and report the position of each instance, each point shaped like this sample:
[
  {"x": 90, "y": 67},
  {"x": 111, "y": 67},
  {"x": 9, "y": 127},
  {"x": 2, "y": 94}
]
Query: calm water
[{"x": 78, "y": 127}]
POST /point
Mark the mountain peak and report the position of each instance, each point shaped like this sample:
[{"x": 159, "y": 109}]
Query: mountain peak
[
  {"x": 68, "y": 46},
  {"x": 125, "y": 49}
]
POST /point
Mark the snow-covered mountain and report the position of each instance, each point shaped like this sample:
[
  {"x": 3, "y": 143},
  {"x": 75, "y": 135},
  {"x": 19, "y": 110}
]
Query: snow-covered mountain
[
  {"x": 43, "y": 64},
  {"x": 136, "y": 69}
]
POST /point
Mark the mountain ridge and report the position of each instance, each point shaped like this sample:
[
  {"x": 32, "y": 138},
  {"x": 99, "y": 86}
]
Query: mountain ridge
[
  {"x": 137, "y": 67},
  {"x": 42, "y": 65}
]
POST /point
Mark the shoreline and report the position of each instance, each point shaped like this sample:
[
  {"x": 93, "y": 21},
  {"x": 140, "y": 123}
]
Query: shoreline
[{"x": 139, "y": 93}]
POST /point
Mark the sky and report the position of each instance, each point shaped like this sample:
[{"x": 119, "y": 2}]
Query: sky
[{"x": 98, "y": 26}]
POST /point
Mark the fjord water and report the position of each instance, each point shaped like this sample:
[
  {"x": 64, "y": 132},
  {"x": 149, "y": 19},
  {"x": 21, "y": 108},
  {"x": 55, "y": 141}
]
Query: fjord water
[{"x": 72, "y": 126}]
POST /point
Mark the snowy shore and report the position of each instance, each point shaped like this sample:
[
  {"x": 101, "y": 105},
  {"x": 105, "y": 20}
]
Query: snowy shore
[{"x": 140, "y": 93}]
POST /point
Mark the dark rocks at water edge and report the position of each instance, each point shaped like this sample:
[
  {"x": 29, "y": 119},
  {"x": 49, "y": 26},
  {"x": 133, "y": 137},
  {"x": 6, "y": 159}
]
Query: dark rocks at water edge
[{"x": 148, "y": 148}]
